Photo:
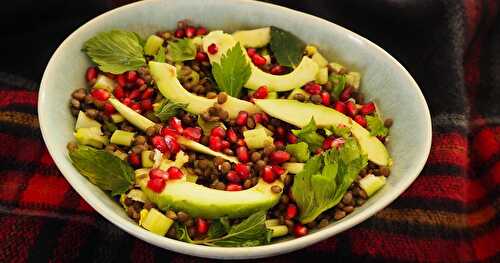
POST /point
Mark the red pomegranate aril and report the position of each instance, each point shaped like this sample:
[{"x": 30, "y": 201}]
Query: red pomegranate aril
[
  {"x": 300, "y": 230},
  {"x": 351, "y": 108},
  {"x": 279, "y": 144},
  {"x": 139, "y": 82},
  {"x": 134, "y": 94},
  {"x": 172, "y": 145},
  {"x": 291, "y": 211},
  {"x": 179, "y": 33},
  {"x": 193, "y": 133},
  {"x": 368, "y": 108},
  {"x": 278, "y": 169},
  {"x": 131, "y": 76},
  {"x": 160, "y": 144},
  {"x": 127, "y": 102},
  {"x": 231, "y": 135},
  {"x": 233, "y": 177},
  {"x": 360, "y": 120},
  {"x": 157, "y": 185},
  {"x": 281, "y": 131},
  {"x": 267, "y": 174},
  {"x": 291, "y": 138},
  {"x": 201, "y": 31},
  {"x": 327, "y": 143},
  {"x": 340, "y": 106},
  {"x": 258, "y": 60},
  {"x": 134, "y": 159},
  {"x": 224, "y": 144},
  {"x": 257, "y": 117},
  {"x": 241, "y": 142},
  {"x": 241, "y": 119},
  {"x": 318, "y": 151},
  {"x": 265, "y": 118},
  {"x": 157, "y": 173},
  {"x": 190, "y": 32},
  {"x": 212, "y": 49},
  {"x": 345, "y": 94},
  {"x": 381, "y": 138},
  {"x": 251, "y": 52},
  {"x": 234, "y": 187},
  {"x": 119, "y": 92},
  {"x": 261, "y": 92},
  {"x": 313, "y": 88},
  {"x": 148, "y": 93},
  {"x": 280, "y": 156},
  {"x": 218, "y": 131},
  {"x": 147, "y": 105},
  {"x": 242, "y": 170},
  {"x": 100, "y": 94},
  {"x": 215, "y": 143},
  {"x": 325, "y": 98},
  {"x": 121, "y": 80},
  {"x": 169, "y": 131},
  {"x": 176, "y": 124},
  {"x": 201, "y": 56},
  {"x": 136, "y": 107},
  {"x": 91, "y": 74},
  {"x": 201, "y": 226},
  {"x": 108, "y": 108},
  {"x": 242, "y": 154},
  {"x": 174, "y": 173},
  {"x": 277, "y": 70}
]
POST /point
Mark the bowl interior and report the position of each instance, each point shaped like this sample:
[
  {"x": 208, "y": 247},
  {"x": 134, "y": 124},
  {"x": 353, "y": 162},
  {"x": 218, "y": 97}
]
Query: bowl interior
[{"x": 384, "y": 80}]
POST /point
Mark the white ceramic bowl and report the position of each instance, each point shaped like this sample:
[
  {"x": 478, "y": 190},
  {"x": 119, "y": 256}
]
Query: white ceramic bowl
[{"x": 383, "y": 79}]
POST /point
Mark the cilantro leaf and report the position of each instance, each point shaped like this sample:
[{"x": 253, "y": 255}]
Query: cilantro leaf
[
  {"x": 286, "y": 47},
  {"x": 181, "y": 50},
  {"x": 169, "y": 109},
  {"x": 309, "y": 135},
  {"x": 103, "y": 169},
  {"x": 232, "y": 71},
  {"x": 376, "y": 126},
  {"x": 339, "y": 82},
  {"x": 160, "y": 55},
  {"x": 115, "y": 51}
]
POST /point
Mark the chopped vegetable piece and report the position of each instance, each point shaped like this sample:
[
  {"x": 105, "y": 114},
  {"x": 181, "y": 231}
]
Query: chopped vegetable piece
[
  {"x": 146, "y": 161},
  {"x": 124, "y": 138},
  {"x": 299, "y": 150},
  {"x": 279, "y": 231},
  {"x": 153, "y": 43},
  {"x": 294, "y": 168},
  {"x": 83, "y": 121},
  {"x": 91, "y": 136},
  {"x": 157, "y": 222},
  {"x": 372, "y": 183}
]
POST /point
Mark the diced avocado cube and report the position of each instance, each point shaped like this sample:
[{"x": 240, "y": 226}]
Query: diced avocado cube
[
  {"x": 153, "y": 43},
  {"x": 272, "y": 95},
  {"x": 299, "y": 150},
  {"x": 83, "y": 121},
  {"x": 157, "y": 222},
  {"x": 372, "y": 183},
  {"x": 146, "y": 161},
  {"x": 336, "y": 67},
  {"x": 279, "y": 231},
  {"x": 120, "y": 154},
  {"x": 121, "y": 137},
  {"x": 322, "y": 76},
  {"x": 117, "y": 118},
  {"x": 320, "y": 60},
  {"x": 260, "y": 126},
  {"x": 257, "y": 138},
  {"x": 103, "y": 82},
  {"x": 298, "y": 91},
  {"x": 137, "y": 195},
  {"x": 294, "y": 168},
  {"x": 353, "y": 79},
  {"x": 91, "y": 136}
]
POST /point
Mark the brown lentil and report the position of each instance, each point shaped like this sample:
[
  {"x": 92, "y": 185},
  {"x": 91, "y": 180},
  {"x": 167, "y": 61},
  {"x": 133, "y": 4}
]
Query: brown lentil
[
  {"x": 138, "y": 149},
  {"x": 139, "y": 140},
  {"x": 255, "y": 156},
  {"x": 228, "y": 151},
  {"x": 339, "y": 214},
  {"x": 149, "y": 205},
  {"x": 250, "y": 122},
  {"x": 276, "y": 189},
  {"x": 260, "y": 164},
  {"x": 348, "y": 209},
  {"x": 289, "y": 223},
  {"x": 218, "y": 161},
  {"x": 211, "y": 95},
  {"x": 225, "y": 167},
  {"x": 75, "y": 103},
  {"x": 223, "y": 115},
  {"x": 79, "y": 94},
  {"x": 222, "y": 98},
  {"x": 72, "y": 146},
  {"x": 316, "y": 99},
  {"x": 128, "y": 201},
  {"x": 220, "y": 186},
  {"x": 171, "y": 214},
  {"x": 247, "y": 184},
  {"x": 384, "y": 171},
  {"x": 347, "y": 199},
  {"x": 388, "y": 123},
  {"x": 300, "y": 97},
  {"x": 328, "y": 86},
  {"x": 172, "y": 233},
  {"x": 91, "y": 113},
  {"x": 183, "y": 216},
  {"x": 151, "y": 131},
  {"x": 284, "y": 199},
  {"x": 323, "y": 223}
]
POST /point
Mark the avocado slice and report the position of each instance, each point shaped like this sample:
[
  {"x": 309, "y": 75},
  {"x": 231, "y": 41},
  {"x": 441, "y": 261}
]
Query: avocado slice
[
  {"x": 255, "y": 38},
  {"x": 130, "y": 115},
  {"x": 299, "y": 114},
  {"x": 204, "y": 202},
  {"x": 165, "y": 76},
  {"x": 305, "y": 72}
]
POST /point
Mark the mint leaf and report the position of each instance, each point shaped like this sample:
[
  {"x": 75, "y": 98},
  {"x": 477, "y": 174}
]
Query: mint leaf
[
  {"x": 169, "y": 109},
  {"x": 338, "y": 84},
  {"x": 309, "y": 135},
  {"x": 115, "y": 51},
  {"x": 181, "y": 50},
  {"x": 376, "y": 126},
  {"x": 218, "y": 228},
  {"x": 160, "y": 55},
  {"x": 232, "y": 71},
  {"x": 103, "y": 169},
  {"x": 286, "y": 47}
]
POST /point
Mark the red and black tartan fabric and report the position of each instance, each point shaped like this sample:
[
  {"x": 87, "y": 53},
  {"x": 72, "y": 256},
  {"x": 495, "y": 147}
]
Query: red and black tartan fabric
[{"x": 449, "y": 214}]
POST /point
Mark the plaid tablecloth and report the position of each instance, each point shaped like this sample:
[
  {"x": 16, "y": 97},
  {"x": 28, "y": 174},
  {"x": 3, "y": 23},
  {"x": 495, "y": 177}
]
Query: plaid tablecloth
[{"x": 449, "y": 214}]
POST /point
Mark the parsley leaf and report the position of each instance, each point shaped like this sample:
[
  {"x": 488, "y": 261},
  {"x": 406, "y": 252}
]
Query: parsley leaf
[
  {"x": 181, "y": 50},
  {"x": 338, "y": 84},
  {"x": 376, "y": 126},
  {"x": 115, "y": 51},
  {"x": 309, "y": 135},
  {"x": 169, "y": 109},
  {"x": 232, "y": 71},
  {"x": 160, "y": 55},
  {"x": 286, "y": 47}
]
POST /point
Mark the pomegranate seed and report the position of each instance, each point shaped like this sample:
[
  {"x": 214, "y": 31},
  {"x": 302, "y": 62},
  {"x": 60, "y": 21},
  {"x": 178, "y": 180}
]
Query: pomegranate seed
[
  {"x": 232, "y": 177},
  {"x": 277, "y": 70},
  {"x": 346, "y": 94},
  {"x": 360, "y": 120},
  {"x": 121, "y": 80},
  {"x": 212, "y": 49},
  {"x": 175, "y": 124},
  {"x": 381, "y": 138},
  {"x": 368, "y": 108},
  {"x": 139, "y": 82},
  {"x": 169, "y": 131},
  {"x": 242, "y": 153},
  {"x": 201, "y": 56},
  {"x": 174, "y": 173},
  {"x": 281, "y": 132},
  {"x": 192, "y": 133},
  {"x": 258, "y": 60},
  {"x": 291, "y": 211},
  {"x": 127, "y": 102},
  {"x": 318, "y": 151},
  {"x": 327, "y": 143},
  {"x": 265, "y": 118},
  {"x": 147, "y": 105},
  {"x": 231, "y": 135},
  {"x": 134, "y": 94},
  {"x": 291, "y": 138},
  {"x": 119, "y": 92},
  {"x": 280, "y": 156},
  {"x": 190, "y": 32},
  {"x": 215, "y": 143},
  {"x": 241, "y": 119},
  {"x": 100, "y": 94},
  {"x": 242, "y": 170},
  {"x": 257, "y": 117},
  {"x": 160, "y": 144},
  {"x": 351, "y": 108},
  {"x": 234, "y": 187},
  {"x": 299, "y": 230},
  {"x": 251, "y": 52},
  {"x": 148, "y": 93},
  {"x": 91, "y": 74},
  {"x": 201, "y": 226},
  {"x": 261, "y": 92},
  {"x": 172, "y": 145},
  {"x": 218, "y": 131},
  {"x": 325, "y": 98},
  {"x": 131, "y": 76},
  {"x": 241, "y": 142},
  {"x": 224, "y": 144},
  {"x": 201, "y": 31},
  {"x": 157, "y": 173},
  {"x": 278, "y": 169},
  {"x": 179, "y": 33},
  {"x": 134, "y": 159},
  {"x": 108, "y": 108},
  {"x": 136, "y": 107},
  {"x": 156, "y": 185},
  {"x": 267, "y": 174},
  {"x": 313, "y": 88},
  {"x": 279, "y": 144},
  {"x": 340, "y": 106}
]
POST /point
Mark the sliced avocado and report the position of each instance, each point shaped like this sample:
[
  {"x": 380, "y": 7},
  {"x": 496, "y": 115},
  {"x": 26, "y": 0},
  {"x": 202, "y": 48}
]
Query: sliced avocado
[
  {"x": 130, "y": 115},
  {"x": 299, "y": 114},
  {"x": 255, "y": 38},
  {"x": 153, "y": 43},
  {"x": 103, "y": 82},
  {"x": 322, "y": 76},
  {"x": 200, "y": 201},
  {"x": 83, "y": 121},
  {"x": 294, "y": 168},
  {"x": 305, "y": 72},
  {"x": 372, "y": 183},
  {"x": 165, "y": 76},
  {"x": 91, "y": 136},
  {"x": 298, "y": 91},
  {"x": 320, "y": 60},
  {"x": 198, "y": 147}
]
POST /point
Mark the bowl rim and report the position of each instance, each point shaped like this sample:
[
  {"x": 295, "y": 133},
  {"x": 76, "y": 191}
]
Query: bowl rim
[{"x": 239, "y": 252}]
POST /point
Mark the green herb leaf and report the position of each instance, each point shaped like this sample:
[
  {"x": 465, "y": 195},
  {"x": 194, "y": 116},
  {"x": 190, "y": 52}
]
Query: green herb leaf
[
  {"x": 103, "y": 169},
  {"x": 182, "y": 233},
  {"x": 309, "y": 135},
  {"x": 218, "y": 228},
  {"x": 181, "y": 50},
  {"x": 115, "y": 51},
  {"x": 232, "y": 72},
  {"x": 160, "y": 55},
  {"x": 338, "y": 84},
  {"x": 341, "y": 130},
  {"x": 376, "y": 126},
  {"x": 299, "y": 150},
  {"x": 169, "y": 109},
  {"x": 286, "y": 47}
]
